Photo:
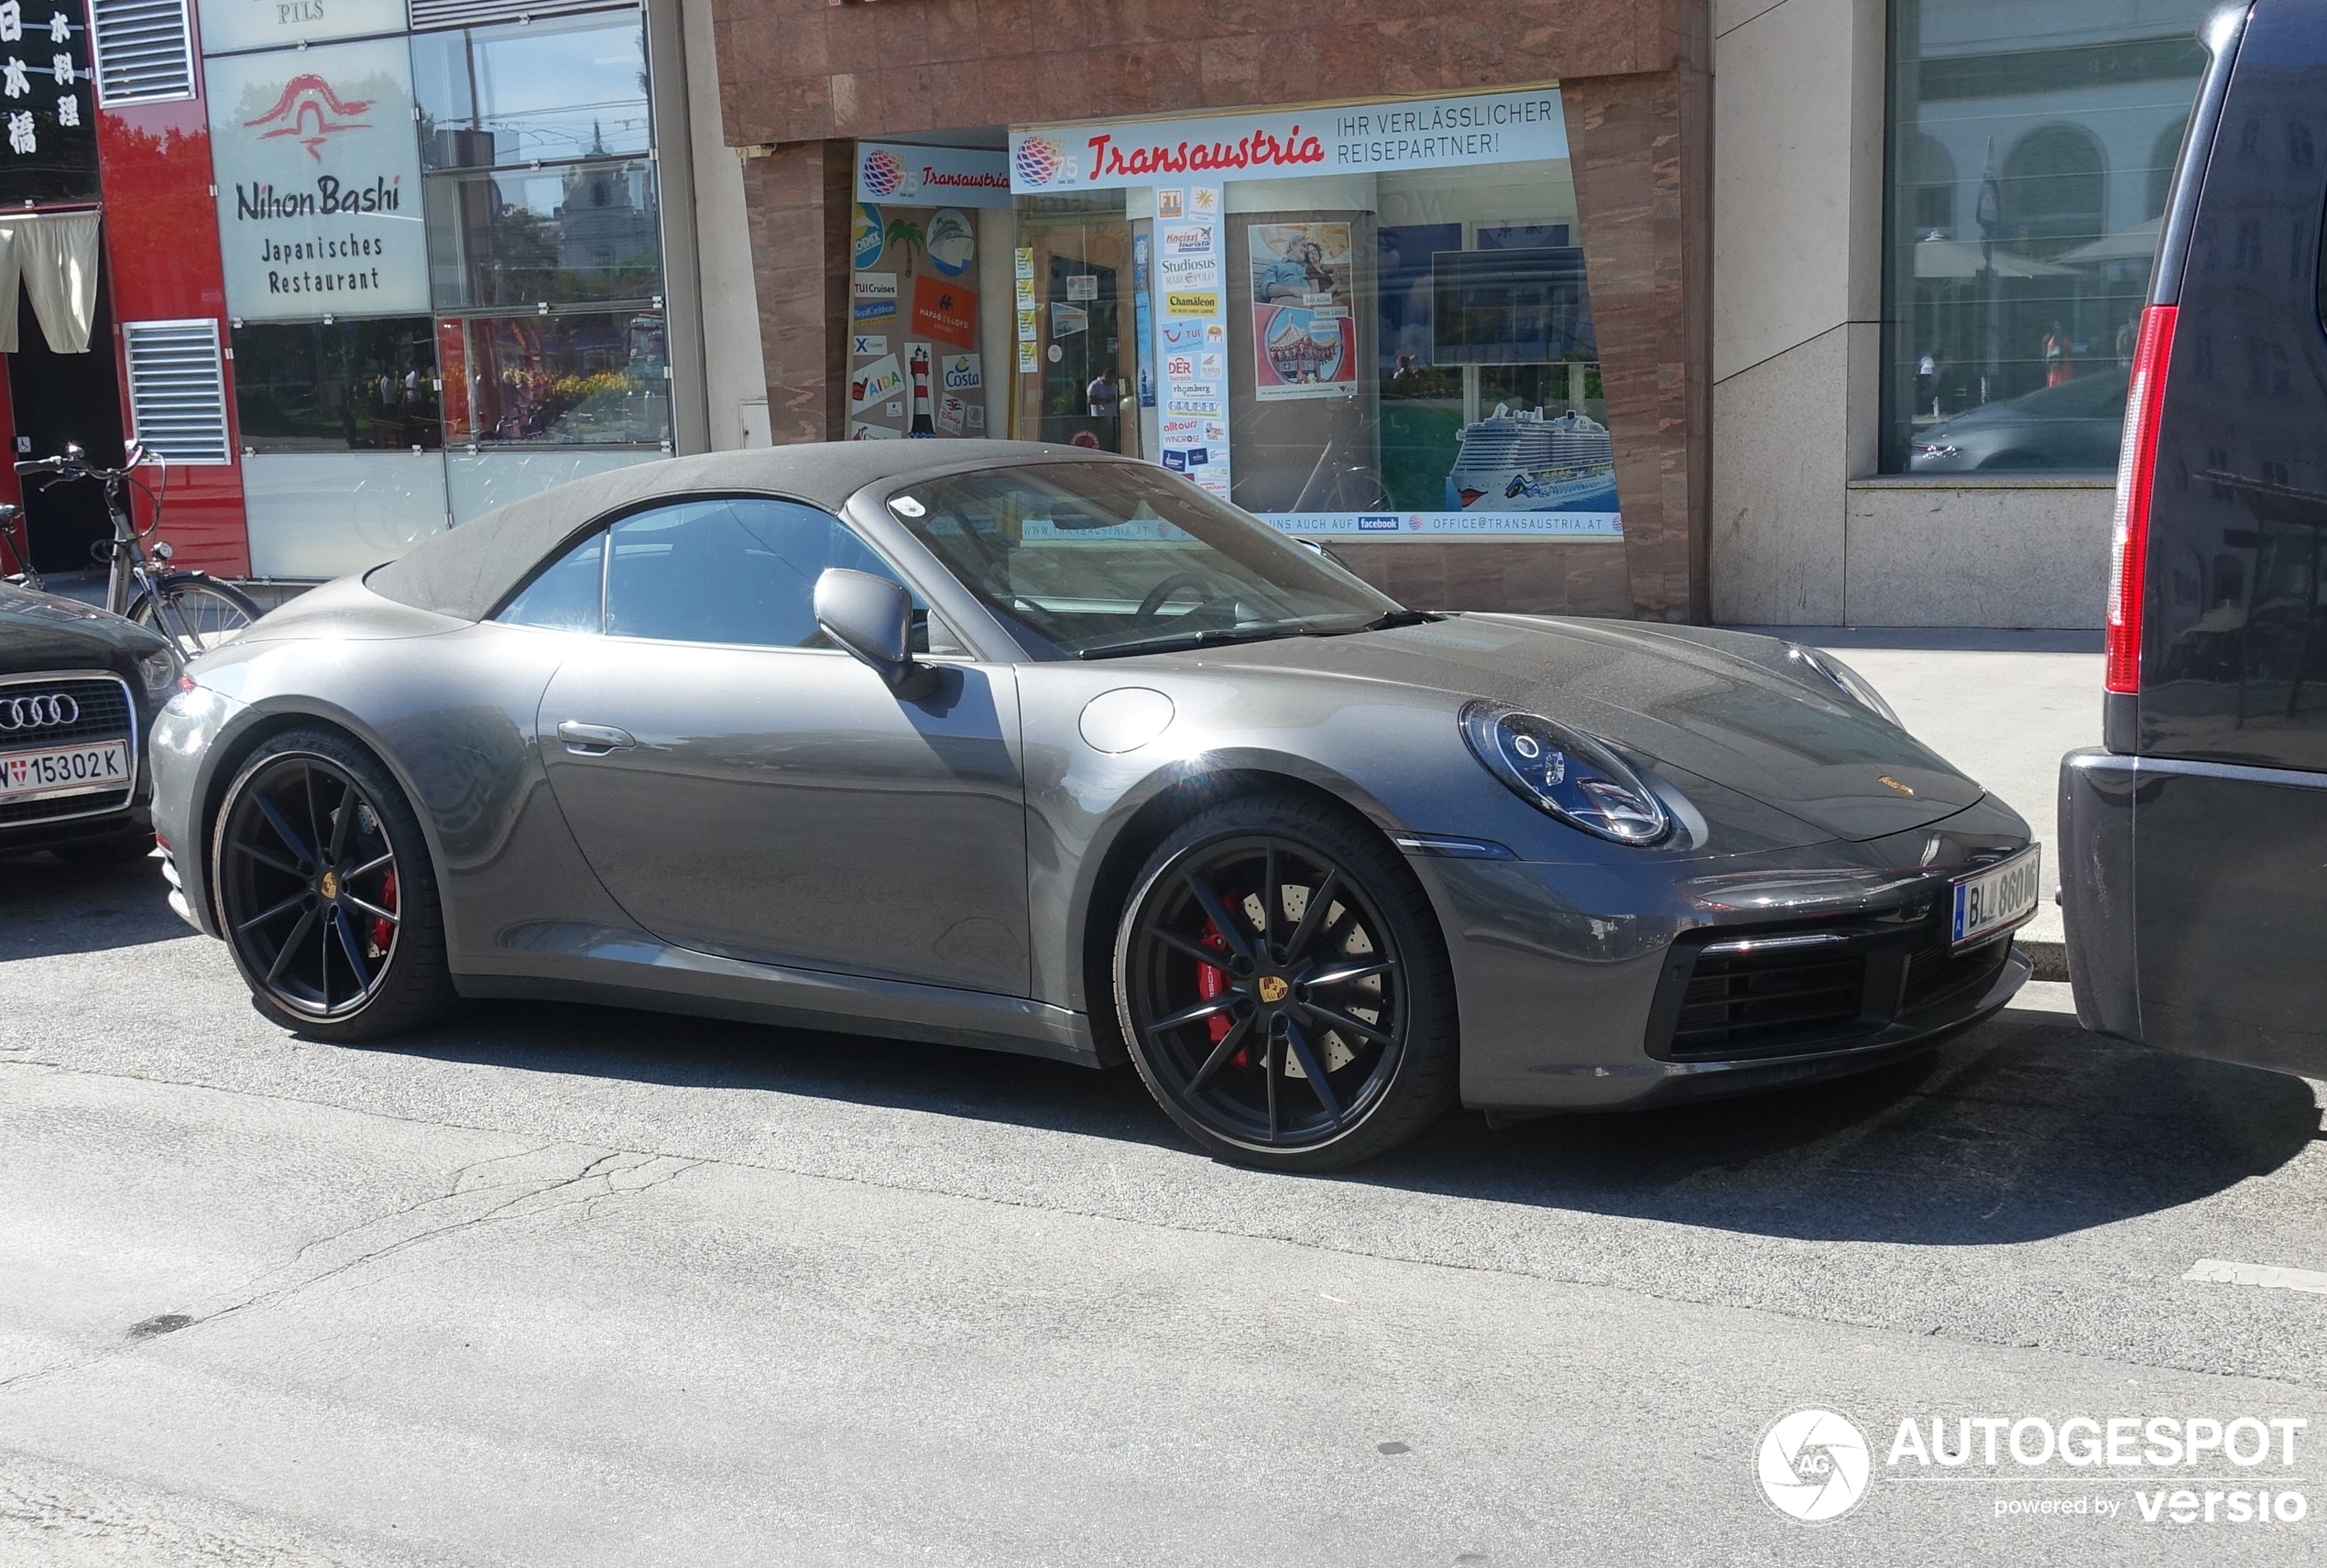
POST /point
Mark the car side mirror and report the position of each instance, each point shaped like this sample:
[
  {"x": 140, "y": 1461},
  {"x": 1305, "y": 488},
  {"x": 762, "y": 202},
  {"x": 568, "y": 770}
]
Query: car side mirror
[{"x": 872, "y": 617}]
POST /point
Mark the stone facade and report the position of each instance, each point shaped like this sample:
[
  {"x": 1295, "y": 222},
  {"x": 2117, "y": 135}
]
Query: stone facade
[{"x": 801, "y": 78}]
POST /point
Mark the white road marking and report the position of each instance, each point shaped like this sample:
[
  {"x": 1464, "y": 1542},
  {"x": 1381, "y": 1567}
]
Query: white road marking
[{"x": 2222, "y": 1271}]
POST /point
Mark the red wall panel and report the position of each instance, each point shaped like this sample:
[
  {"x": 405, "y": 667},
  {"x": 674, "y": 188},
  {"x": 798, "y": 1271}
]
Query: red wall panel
[{"x": 162, "y": 244}]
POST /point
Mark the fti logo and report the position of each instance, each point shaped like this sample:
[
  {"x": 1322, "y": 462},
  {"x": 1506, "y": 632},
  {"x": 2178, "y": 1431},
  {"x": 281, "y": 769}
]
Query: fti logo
[{"x": 311, "y": 111}]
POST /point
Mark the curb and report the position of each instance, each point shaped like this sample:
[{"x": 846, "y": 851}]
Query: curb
[{"x": 2050, "y": 958}]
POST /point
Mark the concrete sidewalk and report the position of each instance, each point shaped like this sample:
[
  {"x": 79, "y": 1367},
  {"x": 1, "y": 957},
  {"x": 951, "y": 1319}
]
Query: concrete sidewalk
[{"x": 2002, "y": 707}]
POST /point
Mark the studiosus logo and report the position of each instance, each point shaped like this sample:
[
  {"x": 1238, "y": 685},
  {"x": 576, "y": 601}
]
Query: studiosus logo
[{"x": 310, "y": 110}]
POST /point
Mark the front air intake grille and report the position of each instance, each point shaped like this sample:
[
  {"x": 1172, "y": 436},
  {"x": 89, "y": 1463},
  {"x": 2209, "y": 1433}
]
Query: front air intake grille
[
  {"x": 1742, "y": 1003},
  {"x": 104, "y": 714},
  {"x": 103, "y": 702},
  {"x": 1934, "y": 974}
]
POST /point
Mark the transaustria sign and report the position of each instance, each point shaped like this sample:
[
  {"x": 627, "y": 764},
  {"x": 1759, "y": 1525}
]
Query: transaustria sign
[{"x": 1363, "y": 139}]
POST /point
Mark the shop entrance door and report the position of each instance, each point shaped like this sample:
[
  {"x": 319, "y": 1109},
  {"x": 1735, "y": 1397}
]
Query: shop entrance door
[
  {"x": 57, "y": 398},
  {"x": 1084, "y": 316},
  {"x": 1083, "y": 331}
]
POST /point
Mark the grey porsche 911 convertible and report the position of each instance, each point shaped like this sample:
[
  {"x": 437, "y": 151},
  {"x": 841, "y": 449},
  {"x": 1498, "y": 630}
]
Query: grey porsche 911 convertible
[{"x": 1038, "y": 749}]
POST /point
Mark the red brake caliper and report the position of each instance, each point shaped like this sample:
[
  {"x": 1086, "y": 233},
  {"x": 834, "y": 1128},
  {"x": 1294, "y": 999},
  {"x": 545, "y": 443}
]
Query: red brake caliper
[
  {"x": 1210, "y": 981},
  {"x": 382, "y": 929}
]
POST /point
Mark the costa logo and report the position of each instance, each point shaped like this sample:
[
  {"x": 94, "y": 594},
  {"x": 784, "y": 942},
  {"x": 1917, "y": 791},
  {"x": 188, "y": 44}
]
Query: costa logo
[{"x": 44, "y": 711}]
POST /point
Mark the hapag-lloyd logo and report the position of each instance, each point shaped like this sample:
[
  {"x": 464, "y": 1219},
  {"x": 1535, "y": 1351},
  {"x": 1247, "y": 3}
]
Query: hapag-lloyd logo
[{"x": 311, "y": 110}]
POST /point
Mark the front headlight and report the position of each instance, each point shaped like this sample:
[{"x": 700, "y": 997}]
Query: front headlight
[
  {"x": 1833, "y": 672},
  {"x": 159, "y": 670},
  {"x": 1579, "y": 779}
]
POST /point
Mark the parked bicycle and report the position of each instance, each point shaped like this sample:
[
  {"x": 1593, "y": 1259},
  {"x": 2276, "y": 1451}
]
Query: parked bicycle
[{"x": 195, "y": 610}]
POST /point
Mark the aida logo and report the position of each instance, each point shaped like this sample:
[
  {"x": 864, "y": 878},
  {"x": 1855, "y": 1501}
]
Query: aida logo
[
  {"x": 883, "y": 172},
  {"x": 312, "y": 111},
  {"x": 1039, "y": 160}
]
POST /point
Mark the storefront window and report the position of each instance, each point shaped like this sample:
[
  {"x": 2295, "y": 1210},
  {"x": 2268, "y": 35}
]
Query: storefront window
[
  {"x": 2031, "y": 147},
  {"x": 548, "y": 91},
  {"x": 346, "y": 386},
  {"x": 587, "y": 378},
  {"x": 1363, "y": 321},
  {"x": 580, "y": 232}
]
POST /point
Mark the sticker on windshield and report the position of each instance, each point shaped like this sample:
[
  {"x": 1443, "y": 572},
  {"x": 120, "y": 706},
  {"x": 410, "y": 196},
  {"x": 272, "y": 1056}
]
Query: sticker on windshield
[{"x": 906, "y": 506}]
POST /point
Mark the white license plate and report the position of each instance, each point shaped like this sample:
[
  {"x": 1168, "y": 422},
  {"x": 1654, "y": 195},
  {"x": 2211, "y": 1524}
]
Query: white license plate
[
  {"x": 2001, "y": 897},
  {"x": 64, "y": 770}
]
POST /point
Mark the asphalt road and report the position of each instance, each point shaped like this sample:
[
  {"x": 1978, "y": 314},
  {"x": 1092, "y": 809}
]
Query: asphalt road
[{"x": 565, "y": 1286}]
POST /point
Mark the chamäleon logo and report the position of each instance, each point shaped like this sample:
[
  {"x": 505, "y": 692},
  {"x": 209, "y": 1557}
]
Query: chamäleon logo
[{"x": 1814, "y": 1466}]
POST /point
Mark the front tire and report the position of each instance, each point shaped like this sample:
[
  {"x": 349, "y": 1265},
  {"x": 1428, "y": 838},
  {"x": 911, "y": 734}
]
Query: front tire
[
  {"x": 325, "y": 892},
  {"x": 194, "y": 610},
  {"x": 1283, "y": 988}
]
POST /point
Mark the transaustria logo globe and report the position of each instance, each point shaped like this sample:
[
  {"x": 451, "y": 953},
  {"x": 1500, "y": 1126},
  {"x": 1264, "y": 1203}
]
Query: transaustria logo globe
[
  {"x": 1814, "y": 1466},
  {"x": 882, "y": 171},
  {"x": 1038, "y": 159}
]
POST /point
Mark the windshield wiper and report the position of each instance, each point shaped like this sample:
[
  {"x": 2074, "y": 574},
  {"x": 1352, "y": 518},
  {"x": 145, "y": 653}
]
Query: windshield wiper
[
  {"x": 1388, "y": 621},
  {"x": 1212, "y": 636}
]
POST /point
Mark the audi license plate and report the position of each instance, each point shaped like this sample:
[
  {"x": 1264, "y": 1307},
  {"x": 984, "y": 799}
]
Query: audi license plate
[
  {"x": 64, "y": 770},
  {"x": 1997, "y": 898}
]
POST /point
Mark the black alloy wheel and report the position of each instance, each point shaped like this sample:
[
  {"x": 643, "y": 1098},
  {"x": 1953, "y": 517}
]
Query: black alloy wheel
[
  {"x": 324, "y": 892},
  {"x": 1283, "y": 988}
]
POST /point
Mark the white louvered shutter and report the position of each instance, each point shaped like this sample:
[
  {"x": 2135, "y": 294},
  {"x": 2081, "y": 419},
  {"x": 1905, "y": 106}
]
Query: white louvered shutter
[
  {"x": 143, "y": 51},
  {"x": 177, "y": 388}
]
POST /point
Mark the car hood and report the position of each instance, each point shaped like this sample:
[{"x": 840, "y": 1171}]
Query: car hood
[
  {"x": 42, "y": 631},
  {"x": 1659, "y": 696}
]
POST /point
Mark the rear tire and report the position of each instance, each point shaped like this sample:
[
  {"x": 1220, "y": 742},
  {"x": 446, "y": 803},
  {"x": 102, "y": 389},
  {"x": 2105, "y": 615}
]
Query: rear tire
[
  {"x": 326, "y": 894},
  {"x": 1283, "y": 989}
]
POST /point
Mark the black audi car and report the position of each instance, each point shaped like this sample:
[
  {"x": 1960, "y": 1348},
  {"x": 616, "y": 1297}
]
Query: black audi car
[{"x": 79, "y": 689}]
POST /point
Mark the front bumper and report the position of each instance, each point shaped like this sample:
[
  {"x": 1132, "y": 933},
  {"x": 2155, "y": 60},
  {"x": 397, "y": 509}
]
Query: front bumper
[{"x": 1575, "y": 982}]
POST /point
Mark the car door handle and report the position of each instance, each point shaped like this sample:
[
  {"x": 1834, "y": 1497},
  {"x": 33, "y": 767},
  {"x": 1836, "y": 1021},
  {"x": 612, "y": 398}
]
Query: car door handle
[{"x": 593, "y": 740}]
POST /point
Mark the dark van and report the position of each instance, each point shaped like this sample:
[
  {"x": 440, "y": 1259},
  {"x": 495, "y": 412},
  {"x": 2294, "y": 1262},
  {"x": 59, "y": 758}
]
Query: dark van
[{"x": 2193, "y": 843}]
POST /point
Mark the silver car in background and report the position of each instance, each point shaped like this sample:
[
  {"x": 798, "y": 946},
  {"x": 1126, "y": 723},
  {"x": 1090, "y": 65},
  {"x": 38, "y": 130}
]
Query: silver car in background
[{"x": 1042, "y": 750}]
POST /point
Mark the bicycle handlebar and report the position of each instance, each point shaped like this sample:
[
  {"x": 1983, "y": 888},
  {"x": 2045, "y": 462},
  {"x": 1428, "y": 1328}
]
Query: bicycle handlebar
[{"x": 82, "y": 468}]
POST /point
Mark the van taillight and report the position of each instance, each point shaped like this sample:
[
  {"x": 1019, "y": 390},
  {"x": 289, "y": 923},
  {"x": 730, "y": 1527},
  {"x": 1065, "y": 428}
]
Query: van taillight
[{"x": 2136, "y": 472}]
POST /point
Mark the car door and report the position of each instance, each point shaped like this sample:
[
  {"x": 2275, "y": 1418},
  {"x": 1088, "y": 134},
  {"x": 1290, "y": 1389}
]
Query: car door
[
  {"x": 744, "y": 787},
  {"x": 2228, "y": 803}
]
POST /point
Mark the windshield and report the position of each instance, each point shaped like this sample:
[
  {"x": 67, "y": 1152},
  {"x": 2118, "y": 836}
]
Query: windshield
[{"x": 1090, "y": 559}]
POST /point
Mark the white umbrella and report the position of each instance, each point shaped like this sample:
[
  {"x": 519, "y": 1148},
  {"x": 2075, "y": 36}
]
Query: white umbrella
[
  {"x": 2136, "y": 243},
  {"x": 1937, "y": 258}
]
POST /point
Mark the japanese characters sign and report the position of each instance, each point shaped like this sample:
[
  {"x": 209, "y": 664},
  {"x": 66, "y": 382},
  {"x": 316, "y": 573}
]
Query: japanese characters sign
[{"x": 47, "y": 107}]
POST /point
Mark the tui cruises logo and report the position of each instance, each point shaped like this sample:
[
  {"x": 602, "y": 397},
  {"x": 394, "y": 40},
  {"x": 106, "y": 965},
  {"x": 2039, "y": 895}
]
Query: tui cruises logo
[{"x": 312, "y": 111}]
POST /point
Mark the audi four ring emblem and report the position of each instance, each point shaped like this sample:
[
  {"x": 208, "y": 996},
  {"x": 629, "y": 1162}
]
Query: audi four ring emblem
[{"x": 37, "y": 712}]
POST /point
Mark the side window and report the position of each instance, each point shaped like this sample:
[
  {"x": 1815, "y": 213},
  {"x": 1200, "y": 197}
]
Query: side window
[
  {"x": 736, "y": 570},
  {"x": 565, "y": 597}
]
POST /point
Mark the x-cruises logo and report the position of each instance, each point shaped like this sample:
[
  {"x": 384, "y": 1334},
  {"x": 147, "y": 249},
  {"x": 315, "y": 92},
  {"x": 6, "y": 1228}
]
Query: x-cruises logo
[
  {"x": 1814, "y": 1466},
  {"x": 311, "y": 111}
]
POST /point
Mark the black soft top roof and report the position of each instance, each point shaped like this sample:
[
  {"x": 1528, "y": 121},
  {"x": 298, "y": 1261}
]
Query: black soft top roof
[{"x": 468, "y": 571}]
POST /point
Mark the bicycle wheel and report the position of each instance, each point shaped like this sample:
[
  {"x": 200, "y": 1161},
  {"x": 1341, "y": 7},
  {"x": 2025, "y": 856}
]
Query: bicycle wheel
[{"x": 196, "y": 612}]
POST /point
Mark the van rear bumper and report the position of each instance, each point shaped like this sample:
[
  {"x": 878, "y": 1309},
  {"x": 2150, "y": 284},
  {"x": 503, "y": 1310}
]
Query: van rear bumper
[{"x": 2097, "y": 889}]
